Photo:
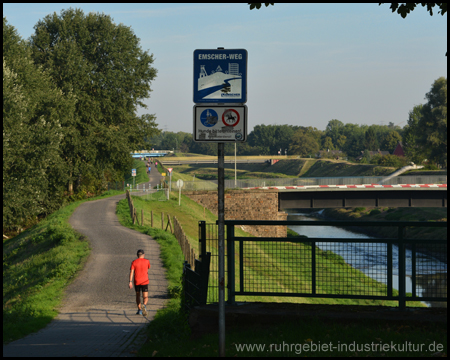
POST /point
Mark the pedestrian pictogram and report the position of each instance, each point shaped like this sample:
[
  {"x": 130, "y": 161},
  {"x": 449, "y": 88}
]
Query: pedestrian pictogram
[
  {"x": 231, "y": 126},
  {"x": 209, "y": 117}
]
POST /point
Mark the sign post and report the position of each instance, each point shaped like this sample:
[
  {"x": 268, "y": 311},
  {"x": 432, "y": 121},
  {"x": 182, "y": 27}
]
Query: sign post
[
  {"x": 221, "y": 233},
  {"x": 180, "y": 185},
  {"x": 170, "y": 178},
  {"x": 220, "y": 92},
  {"x": 133, "y": 174}
]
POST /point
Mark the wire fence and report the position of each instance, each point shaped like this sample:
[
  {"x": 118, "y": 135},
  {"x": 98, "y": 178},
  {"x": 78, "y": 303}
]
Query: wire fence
[{"x": 377, "y": 269}]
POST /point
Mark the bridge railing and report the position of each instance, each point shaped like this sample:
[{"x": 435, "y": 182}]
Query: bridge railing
[
  {"x": 252, "y": 183},
  {"x": 311, "y": 267}
]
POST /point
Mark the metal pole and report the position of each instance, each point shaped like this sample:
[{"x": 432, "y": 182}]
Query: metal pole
[
  {"x": 401, "y": 270},
  {"x": 221, "y": 223},
  {"x": 235, "y": 172}
]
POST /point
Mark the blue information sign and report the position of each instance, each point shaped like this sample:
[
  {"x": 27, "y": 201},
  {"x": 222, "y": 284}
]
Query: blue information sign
[{"x": 220, "y": 76}]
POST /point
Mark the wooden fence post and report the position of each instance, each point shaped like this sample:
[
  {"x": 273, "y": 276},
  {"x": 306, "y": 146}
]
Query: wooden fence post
[
  {"x": 136, "y": 216},
  {"x": 169, "y": 223},
  {"x": 162, "y": 220}
]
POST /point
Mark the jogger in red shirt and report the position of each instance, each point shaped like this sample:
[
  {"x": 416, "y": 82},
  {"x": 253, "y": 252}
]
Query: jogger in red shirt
[{"x": 139, "y": 268}]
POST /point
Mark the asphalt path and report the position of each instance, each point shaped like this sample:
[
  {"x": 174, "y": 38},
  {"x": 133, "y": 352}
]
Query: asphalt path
[{"x": 98, "y": 314}]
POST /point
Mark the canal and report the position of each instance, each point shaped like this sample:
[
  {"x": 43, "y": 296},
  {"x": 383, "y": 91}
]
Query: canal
[{"x": 371, "y": 259}]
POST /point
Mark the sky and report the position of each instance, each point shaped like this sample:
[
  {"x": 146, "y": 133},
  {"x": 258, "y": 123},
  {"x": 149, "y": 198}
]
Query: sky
[{"x": 307, "y": 63}]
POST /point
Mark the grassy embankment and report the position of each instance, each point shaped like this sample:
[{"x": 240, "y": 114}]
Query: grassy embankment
[
  {"x": 38, "y": 264},
  {"x": 169, "y": 325},
  {"x": 285, "y": 168}
]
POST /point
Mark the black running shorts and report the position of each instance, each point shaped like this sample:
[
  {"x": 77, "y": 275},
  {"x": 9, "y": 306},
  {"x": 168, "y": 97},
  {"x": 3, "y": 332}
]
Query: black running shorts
[{"x": 139, "y": 288}]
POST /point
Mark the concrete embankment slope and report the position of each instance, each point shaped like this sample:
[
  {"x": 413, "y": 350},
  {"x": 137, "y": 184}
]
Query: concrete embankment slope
[{"x": 98, "y": 315}]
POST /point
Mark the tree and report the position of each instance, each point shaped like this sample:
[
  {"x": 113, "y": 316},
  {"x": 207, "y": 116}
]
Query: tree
[
  {"x": 341, "y": 141},
  {"x": 263, "y": 137},
  {"x": 404, "y": 9},
  {"x": 412, "y": 151},
  {"x": 390, "y": 141},
  {"x": 33, "y": 110},
  {"x": 258, "y": 5},
  {"x": 370, "y": 142},
  {"x": 334, "y": 124},
  {"x": 109, "y": 74},
  {"x": 432, "y": 125},
  {"x": 304, "y": 143},
  {"x": 327, "y": 144}
]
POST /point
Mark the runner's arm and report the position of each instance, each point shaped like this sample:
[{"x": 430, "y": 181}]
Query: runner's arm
[{"x": 131, "y": 278}]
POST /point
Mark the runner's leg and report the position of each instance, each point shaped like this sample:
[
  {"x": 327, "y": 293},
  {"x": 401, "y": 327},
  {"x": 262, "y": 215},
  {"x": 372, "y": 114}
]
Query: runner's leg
[
  {"x": 145, "y": 296},
  {"x": 138, "y": 299}
]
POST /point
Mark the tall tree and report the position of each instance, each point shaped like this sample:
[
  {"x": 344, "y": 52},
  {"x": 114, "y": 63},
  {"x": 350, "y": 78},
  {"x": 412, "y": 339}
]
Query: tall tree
[
  {"x": 432, "y": 125},
  {"x": 390, "y": 141},
  {"x": 327, "y": 144},
  {"x": 263, "y": 137},
  {"x": 304, "y": 143},
  {"x": 370, "y": 142},
  {"x": 33, "y": 110},
  {"x": 104, "y": 66},
  {"x": 403, "y": 9},
  {"x": 412, "y": 151}
]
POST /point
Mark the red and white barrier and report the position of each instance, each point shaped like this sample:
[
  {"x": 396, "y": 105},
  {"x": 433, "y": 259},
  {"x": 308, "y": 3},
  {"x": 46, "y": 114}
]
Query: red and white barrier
[{"x": 364, "y": 186}]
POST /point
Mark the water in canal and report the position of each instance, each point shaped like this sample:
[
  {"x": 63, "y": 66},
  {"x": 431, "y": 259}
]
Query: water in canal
[{"x": 367, "y": 258}]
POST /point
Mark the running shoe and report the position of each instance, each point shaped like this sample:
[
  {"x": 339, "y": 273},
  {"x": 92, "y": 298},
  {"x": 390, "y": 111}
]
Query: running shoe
[
  {"x": 144, "y": 311},
  {"x": 139, "y": 312}
]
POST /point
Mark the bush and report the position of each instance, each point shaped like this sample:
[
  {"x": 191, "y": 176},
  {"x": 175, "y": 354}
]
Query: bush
[
  {"x": 375, "y": 212},
  {"x": 430, "y": 167},
  {"x": 359, "y": 209}
]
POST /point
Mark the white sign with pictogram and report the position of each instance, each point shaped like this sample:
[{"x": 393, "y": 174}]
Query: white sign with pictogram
[
  {"x": 215, "y": 123},
  {"x": 220, "y": 76}
]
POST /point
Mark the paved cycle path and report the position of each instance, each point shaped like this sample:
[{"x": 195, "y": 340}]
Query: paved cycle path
[{"x": 98, "y": 314}]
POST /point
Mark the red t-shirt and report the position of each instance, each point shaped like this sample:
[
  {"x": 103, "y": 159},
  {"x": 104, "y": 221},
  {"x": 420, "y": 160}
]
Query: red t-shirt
[{"x": 140, "y": 267}]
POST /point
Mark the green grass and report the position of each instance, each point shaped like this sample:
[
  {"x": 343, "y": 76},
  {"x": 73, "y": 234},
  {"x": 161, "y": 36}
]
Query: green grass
[
  {"x": 285, "y": 168},
  {"x": 38, "y": 264},
  {"x": 170, "y": 324},
  {"x": 309, "y": 332},
  {"x": 141, "y": 173}
]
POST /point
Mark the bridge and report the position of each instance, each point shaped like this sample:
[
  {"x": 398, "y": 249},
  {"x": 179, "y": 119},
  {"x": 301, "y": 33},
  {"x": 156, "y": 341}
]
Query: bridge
[
  {"x": 150, "y": 153},
  {"x": 371, "y": 195}
]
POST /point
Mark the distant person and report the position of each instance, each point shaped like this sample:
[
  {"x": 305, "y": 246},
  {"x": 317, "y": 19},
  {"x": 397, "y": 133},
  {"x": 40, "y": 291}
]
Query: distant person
[
  {"x": 139, "y": 268},
  {"x": 149, "y": 169}
]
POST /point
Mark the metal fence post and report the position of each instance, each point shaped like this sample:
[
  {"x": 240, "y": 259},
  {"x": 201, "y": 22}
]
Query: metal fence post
[
  {"x": 390, "y": 264},
  {"x": 221, "y": 218},
  {"x": 231, "y": 265},
  {"x": 401, "y": 270},
  {"x": 202, "y": 239},
  {"x": 313, "y": 267}
]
